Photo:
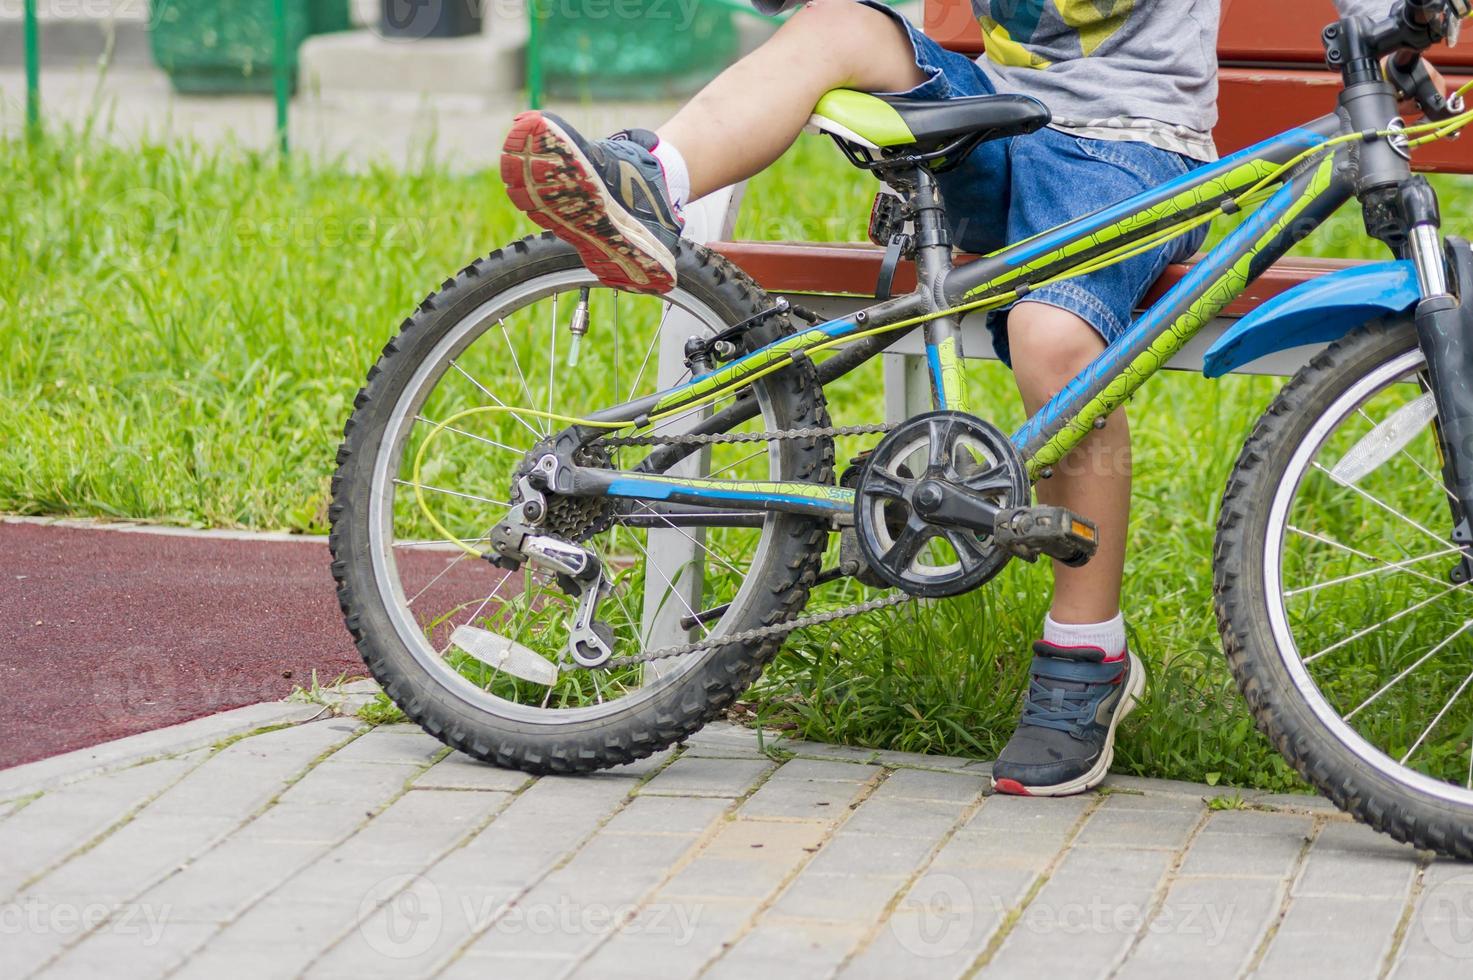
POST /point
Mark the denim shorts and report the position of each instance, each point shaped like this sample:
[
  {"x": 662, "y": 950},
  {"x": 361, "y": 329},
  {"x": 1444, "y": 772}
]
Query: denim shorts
[{"x": 1011, "y": 189}]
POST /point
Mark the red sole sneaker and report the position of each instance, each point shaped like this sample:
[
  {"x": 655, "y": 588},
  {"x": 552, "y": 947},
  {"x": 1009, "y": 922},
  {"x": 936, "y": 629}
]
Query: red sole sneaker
[{"x": 549, "y": 178}]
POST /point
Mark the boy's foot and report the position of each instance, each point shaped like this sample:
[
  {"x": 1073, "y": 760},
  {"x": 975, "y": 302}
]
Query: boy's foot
[
  {"x": 1066, "y": 738},
  {"x": 606, "y": 198}
]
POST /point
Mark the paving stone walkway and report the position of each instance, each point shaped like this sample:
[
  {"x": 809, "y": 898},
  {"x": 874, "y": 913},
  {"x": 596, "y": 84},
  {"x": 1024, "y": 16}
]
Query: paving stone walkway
[{"x": 333, "y": 849}]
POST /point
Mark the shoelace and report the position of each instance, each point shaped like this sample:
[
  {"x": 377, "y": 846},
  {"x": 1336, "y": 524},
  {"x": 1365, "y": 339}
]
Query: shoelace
[{"x": 1062, "y": 708}]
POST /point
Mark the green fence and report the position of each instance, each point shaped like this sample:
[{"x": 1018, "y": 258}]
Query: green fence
[{"x": 639, "y": 52}]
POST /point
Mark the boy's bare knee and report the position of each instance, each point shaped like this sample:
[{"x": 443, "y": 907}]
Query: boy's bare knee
[
  {"x": 1050, "y": 342},
  {"x": 848, "y": 31}
]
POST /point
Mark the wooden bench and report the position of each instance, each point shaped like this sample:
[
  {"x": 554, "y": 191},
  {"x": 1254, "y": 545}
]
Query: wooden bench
[{"x": 1272, "y": 78}]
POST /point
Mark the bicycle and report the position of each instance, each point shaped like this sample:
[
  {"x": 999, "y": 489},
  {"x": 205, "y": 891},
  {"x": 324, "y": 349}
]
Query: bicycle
[{"x": 562, "y": 638}]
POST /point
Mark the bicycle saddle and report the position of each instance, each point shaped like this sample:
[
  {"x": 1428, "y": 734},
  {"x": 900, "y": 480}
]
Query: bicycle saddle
[{"x": 879, "y": 121}]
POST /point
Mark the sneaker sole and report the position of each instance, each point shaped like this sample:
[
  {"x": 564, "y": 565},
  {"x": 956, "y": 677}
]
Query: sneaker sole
[
  {"x": 1096, "y": 775},
  {"x": 549, "y": 178}
]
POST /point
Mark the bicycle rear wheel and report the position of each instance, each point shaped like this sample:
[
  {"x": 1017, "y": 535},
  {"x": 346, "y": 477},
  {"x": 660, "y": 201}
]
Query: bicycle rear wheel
[
  {"x": 1344, "y": 607},
  {"x": 492, "y": 350}
]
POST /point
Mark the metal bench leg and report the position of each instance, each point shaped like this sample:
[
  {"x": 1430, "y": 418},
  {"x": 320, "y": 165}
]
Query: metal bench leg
[
  {"x": 907, "y": 388},
  {"x": 675, "y": 557}
]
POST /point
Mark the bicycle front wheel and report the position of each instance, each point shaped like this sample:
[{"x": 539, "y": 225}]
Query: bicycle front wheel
[{"x": 1345, "y": 608}]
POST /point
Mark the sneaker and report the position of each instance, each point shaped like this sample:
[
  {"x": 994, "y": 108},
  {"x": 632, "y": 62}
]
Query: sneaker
[
  {"x": 1065, "y": 740},
  {"x": 606, "y": 198}
]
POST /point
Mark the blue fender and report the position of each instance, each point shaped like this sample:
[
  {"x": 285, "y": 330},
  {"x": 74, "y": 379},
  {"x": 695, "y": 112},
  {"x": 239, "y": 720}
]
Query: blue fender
[{"x": 1316, "y": 312}]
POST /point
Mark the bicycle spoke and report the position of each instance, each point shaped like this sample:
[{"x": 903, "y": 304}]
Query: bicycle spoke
[
  {"x": 448, "y": 565},
  {"x": 1420, "y": 661},
  {"x": 453, "y": 493},
  {"x": 470, "y": 435},
  {"x": 650, "y": 350},
  {"x": 1361, "y": 554},
  {"x": 445, "y": 543},
  {"x": 1381, "y": 503},
  {"x": 731, "y": 466},
  {"x": 1400, "y": 566},
  {"x": 1445, "y": 708},
  {"x": 1385, "y": 622},
  {"x": 487, "y": 392},
  {"x": 552, "y": 357},
  {"x": 546, "y": 425},
  {"x": 649, "y": 563},
  {"x": 681, "y": 531},
  {"x": 1436, "y": 481},
  {"x": 472, "y": 617},
  {"x": 617, "y": 389}
]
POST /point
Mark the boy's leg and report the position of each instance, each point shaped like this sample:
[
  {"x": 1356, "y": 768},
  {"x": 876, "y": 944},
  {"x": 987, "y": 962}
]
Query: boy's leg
[
  {"x": 752, "y": 112},
  {"x": 1049, "y": 347},
  {"x": 617, "y": 201},
  {"x": 1082, "y": 680}
]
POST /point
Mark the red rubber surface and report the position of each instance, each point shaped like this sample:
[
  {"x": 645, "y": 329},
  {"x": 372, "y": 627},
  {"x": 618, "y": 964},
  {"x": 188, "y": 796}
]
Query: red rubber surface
[{"x": 105, "y": 634}]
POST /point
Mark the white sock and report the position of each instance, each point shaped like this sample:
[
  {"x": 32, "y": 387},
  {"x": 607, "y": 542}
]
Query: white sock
[
  {"x": 677, "y": 178},
  {"x": 1109, "y": 636}
]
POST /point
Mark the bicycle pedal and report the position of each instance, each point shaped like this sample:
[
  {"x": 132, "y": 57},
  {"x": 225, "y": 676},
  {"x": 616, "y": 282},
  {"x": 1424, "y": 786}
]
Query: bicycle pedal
[{"x": 1063, "y": 535}]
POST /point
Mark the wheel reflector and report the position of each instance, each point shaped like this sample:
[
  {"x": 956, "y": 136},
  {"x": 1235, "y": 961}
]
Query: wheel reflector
[
  {"x": 1386, "y": 440},
  {"x": 505, "y": 654}
]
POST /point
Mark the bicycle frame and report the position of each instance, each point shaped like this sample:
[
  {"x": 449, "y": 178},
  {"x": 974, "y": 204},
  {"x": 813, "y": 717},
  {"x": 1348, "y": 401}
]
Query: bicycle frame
[{"x": 1288, "y": 210}]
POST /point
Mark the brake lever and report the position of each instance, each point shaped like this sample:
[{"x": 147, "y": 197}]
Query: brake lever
[{"x": 1415, "y": 82}]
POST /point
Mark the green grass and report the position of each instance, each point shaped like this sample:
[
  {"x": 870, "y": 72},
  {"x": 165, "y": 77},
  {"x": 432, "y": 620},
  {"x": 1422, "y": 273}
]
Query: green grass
[{"x": 182, "y": 332}]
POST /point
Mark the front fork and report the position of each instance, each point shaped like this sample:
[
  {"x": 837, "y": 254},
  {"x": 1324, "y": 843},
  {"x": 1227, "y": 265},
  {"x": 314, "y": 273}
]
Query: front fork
[{"x": 1444, "y": 323}]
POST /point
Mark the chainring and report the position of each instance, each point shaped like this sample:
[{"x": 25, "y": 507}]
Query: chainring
[{"x": 903, "y": 549}]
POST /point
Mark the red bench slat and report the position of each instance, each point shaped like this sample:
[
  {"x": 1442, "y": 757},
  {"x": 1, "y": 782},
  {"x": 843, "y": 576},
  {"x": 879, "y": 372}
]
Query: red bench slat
[
  {"x": 1253, "y": 32},
  {"x": 1273, "y": 79},
  {"x": 852, "y": 269},
  {"x": 1256, "y": 103}
]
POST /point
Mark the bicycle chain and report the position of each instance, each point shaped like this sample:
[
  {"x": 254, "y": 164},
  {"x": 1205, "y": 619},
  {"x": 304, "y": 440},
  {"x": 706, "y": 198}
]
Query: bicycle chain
[
  {"x": 757, "y": 634},
  {"x": 714, "y": 438},
  {"x": 760, "y": 633}
]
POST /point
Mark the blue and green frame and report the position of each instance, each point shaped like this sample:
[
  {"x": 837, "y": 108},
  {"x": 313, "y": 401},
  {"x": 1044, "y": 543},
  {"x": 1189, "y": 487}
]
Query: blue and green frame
[{"x": 1288, "y": 202}]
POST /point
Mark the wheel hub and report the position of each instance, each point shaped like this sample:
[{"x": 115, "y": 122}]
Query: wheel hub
[{"x": 570, "y": 518}]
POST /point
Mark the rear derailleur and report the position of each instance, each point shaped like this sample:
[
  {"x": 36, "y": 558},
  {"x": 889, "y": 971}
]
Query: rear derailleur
[{"x": 578, "y": 570}]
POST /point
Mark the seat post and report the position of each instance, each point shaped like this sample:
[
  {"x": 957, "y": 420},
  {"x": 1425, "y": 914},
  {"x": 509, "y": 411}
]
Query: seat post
[
  {"x": 933, "y": 237},
  {"x": 933, "y": 262}
]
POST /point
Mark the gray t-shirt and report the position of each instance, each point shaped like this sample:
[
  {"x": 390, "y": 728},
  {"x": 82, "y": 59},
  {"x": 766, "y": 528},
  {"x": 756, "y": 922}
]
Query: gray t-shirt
[{"x": 1142, "y": 70}]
